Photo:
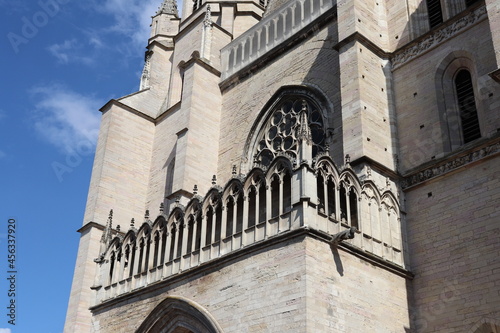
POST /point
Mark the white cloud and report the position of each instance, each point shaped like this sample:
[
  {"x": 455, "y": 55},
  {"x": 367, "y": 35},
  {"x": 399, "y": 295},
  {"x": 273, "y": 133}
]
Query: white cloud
[
  {"x": 68, "y": 120},
  {"x": 131, "y": 17},
  {"x": 69, "y": 51},
  {"x": 5, "y": 330}
]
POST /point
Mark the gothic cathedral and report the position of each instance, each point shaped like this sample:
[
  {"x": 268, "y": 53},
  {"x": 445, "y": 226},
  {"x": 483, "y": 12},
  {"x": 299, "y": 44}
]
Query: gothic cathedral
[{"x": 300, "y": 166}]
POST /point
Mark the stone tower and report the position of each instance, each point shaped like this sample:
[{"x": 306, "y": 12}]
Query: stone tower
[{"x": 300, "y": 166}]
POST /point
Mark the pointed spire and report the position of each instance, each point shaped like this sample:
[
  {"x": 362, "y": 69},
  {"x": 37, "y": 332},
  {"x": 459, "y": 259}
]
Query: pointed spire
[
  {"x": 168, "y": 7},
  {"x": 195, "y": 189}
]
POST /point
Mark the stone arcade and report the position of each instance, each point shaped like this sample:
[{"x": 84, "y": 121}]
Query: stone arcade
[{"x": 300, "y": 166}]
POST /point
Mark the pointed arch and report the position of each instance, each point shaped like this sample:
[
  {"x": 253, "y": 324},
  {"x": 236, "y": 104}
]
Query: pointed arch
[
  {"x": 179, "y": 314},
  {"x": 459, "y": 106},
  {"x": 273, "y": 132}
]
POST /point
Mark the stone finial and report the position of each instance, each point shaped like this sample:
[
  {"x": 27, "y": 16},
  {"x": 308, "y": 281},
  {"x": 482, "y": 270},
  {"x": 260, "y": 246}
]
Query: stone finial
[
  {"x": 234, "y": 170},
  {"x": 207, "y": 21},
  {"x": 214, "y": 180},
  {"x": 168, "y": 7},
  {"x": 387, "y": 182},
  {"x": 304, "y": 131},
  {"x": 146, "y": 215},
  {"x": 368, "y": 171},
  {"x": 118, "y": 228},
  {"x": 195, "y": 189},
  {"x": 106, "y": 236},
  {"x": 347, "y": 159},
  {"x": 177, "y": 200},
  {"x": 255, "y": 158},
  {"x": 162, "y": 208},
  {"x": 132, "y": 223}
]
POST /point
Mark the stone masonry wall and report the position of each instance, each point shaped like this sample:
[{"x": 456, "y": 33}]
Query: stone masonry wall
[
  {"x": 296, "y": 286},
  {"x": 416, "y": 96},
  {"x": 453, "y": 227}
]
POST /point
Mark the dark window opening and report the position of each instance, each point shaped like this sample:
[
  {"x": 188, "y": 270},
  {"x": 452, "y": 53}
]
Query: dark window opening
[
  {"x": 320, "y": 186},
  {"x": 210, "y": 216},
  {"x": 435, "y": 12},
  {"x": 467, "y": 106},
  {"x": 275, "y": 196},
  {"x": 287, "y": 193},
  {"x": 353, "y": 206},
  {"x": 469, "y": 3},
  {"x": 218, "y": 222},
  {"x": 262, "y": 202},
  {"x": 229, "y": 216},
  {"x": 252, "y": 198}
]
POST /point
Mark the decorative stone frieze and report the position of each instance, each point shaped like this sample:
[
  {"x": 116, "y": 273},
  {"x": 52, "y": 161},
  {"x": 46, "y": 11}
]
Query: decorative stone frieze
[
  {"x": 434, "y": 39},
  {"x": 447, "y": 166}
]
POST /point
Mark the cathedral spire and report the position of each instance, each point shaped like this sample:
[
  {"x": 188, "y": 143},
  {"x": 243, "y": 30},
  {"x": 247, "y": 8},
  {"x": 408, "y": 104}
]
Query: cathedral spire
[{"x": 168, "y": 7}]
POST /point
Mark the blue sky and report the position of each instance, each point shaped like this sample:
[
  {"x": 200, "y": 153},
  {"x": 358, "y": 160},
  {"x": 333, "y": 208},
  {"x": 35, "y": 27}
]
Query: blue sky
[{"x": 61, "y": 60}]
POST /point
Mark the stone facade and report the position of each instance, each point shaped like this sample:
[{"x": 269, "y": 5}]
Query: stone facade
[{"x": 263, "y": 131}]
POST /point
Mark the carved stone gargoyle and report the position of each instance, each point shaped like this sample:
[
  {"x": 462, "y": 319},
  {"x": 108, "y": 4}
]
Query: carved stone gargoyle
[{"x": 343, "y": 235}]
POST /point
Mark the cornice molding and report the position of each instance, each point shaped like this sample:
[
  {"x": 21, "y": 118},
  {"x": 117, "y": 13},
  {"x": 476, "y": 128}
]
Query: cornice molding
[{"x": 451, "y": 164}]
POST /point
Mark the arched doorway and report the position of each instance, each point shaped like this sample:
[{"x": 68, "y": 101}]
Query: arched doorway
[{"x": 179, "y": 315}]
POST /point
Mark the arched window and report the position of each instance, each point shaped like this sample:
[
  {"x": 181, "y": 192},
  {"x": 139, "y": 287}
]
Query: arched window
[
  {"x": 277, "y": 132},
  {"x": 156, "y": 248},
  {"x": 218, "y": 222},
  {"x": 111, "y": 266},
  {"x": 172, "y": 243},
  {"x": 343, "y": 203},
  {"x": 141, "y": 255},
  {"x": 320, "y": 186},
  {"x": 239, "y": 213},
  {"x": 210, "y": 217},
  {"x": 275, "y": 196},
  {"x": 163, "y": 245},
  {"x": 229, "y": 216},
  {"x": 353, "y": 207},
  {"x": 467, "y": 106},
  {"x": 262, "y": 202},
  {"x": 191, "y": 227},
  {"x": 434, "y": 12},
  {"x": 180, "y": 239},
  {"x": 252, "y": 202},
  {"x": 197, "y": 243},
  {"x": 331, "y": 198},
  {"x": 287, "y": 192},
  {"x": 459, "y": 113}
]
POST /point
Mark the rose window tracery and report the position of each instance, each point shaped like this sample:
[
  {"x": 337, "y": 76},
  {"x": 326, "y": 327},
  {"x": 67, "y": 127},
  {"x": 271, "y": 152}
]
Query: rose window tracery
[{"x": 281, "y": 132}]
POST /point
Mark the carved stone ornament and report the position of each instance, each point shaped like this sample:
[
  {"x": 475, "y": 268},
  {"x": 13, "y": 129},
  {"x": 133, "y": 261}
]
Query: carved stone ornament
[
  {"x": 450, "y": 165},
  {"x": 437, "y": 37}
]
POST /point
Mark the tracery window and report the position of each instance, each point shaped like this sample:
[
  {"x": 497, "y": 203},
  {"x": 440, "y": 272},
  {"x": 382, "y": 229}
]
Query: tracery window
[{"x": 280, "y": 132}]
